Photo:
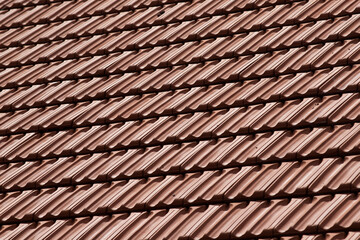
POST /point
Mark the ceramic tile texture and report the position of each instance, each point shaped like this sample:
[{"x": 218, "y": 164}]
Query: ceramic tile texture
[{"x": 180, "y": 119}]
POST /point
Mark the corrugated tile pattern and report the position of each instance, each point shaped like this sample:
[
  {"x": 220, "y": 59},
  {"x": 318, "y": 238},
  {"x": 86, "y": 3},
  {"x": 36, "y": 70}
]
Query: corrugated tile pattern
[
  {"x": 178, "y": 119},
  {"x": 305, "y": 112},
  {"x": 305, "y": 34},
  {"x": 214, "y": 221},
  {"x": 185, "y": 89},
  {"x": 177, "y": 57},
  {"x": 309, "y": 177}
]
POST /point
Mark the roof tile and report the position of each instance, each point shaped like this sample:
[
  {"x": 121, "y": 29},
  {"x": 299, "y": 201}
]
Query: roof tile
[{"x": 179, "y": 119}]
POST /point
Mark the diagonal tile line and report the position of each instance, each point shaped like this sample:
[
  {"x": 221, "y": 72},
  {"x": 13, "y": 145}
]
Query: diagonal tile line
[
  {"x": 198, "y": 139},
  {"x": 304, "y": 235},
  {"x": 29, "y": 4},
  {"x": 199, "y": 61},
  {"x": 205, "y": 84},
  {"x": 190, "y": 40},
  {"x": 107, "y": 121},
  {"x": 221, "y": 13},
  {"x": 177, "y": 206},
  {"x": 73, "y": 126},
  {"x": 112, "y": 11},
  {"x": 170, "y": 173}
]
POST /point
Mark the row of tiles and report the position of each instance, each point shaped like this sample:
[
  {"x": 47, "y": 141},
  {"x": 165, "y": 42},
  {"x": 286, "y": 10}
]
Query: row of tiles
[
  {"x": 145, "y": 17},
  {"x": 302, "y": 143},
  {"x": 121, "y": 165},
  {"x": 244, "y": 67},
  {"x": 183, "y": 81},
  {"x": 65, "y": 10},
  {"x": 209, "y": 187},
  {"x": 60, "y": 11},
  {"x": 87, "y": 169},
  {"x": 325, "y": 236},
  {"x": 236, "y": 45},
  {"x": 223, "y": 221},
  {"x": 272, "y": 116},
  {"x": 169, "y": 159},
  {"x": 273, "y": 16},
  {"x": 126, "y": 5},
  {"x": 8, "y": 4},
  {"x": 346, "y": 235},
  {"x": 170, "y": 111}
]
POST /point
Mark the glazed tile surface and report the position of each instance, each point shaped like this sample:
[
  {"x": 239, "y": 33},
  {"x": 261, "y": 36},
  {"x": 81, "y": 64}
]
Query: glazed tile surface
[{"x": 180, "y": 119}]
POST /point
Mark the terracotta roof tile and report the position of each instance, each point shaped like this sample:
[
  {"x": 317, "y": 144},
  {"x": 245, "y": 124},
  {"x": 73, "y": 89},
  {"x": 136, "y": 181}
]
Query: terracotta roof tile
[
  {"x": 258, "y": 218},
  {"x": 179, "y": 119},
  {"x": 268, "y": 181}
]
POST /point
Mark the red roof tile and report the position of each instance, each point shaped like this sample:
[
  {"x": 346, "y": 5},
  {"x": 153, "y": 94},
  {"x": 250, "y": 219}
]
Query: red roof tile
[{"x": 179, "y": 119}]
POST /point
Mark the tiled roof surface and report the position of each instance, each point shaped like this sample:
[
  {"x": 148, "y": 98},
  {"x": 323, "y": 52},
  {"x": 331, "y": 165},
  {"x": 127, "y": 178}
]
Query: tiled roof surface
[{"x": 180, "y": 119}]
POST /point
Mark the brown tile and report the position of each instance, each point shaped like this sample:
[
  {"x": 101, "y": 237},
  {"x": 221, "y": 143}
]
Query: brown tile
[
  {"x": 179, "y": 119},
  {"x": 265, "y": 218}
]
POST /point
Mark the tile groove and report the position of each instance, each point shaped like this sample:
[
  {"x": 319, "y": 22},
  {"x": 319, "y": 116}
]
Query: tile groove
[
  {"x": 190, "y": 40},
  {"x": 174, "y": 142},
  {"x": 177, "y": 206}
]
